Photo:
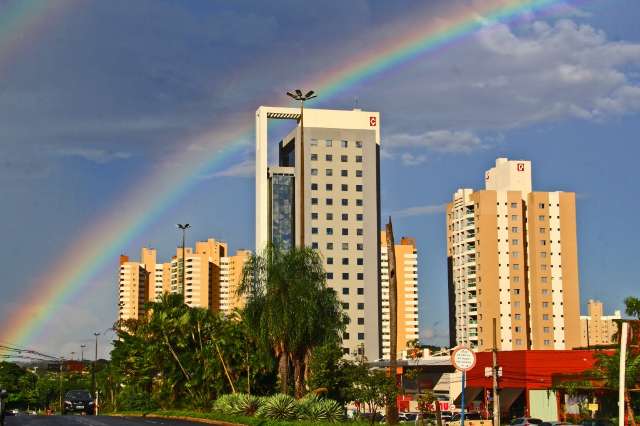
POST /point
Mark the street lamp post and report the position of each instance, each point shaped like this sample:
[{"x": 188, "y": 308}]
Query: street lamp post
[
  {"x": 93, "y": 370},
  {"x": 298, "y": 95},
  {"x": 183, "y": 227},
  {"x": 82, "y": 347}
]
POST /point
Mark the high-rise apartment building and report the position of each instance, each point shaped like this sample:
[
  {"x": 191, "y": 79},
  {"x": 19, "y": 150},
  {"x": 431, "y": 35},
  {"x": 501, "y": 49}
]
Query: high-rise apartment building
[
  {"x": 407, "y": 294},
  {"x": 512, "y": 255},
  {"x": 597, "y": 328},
  {"x": 324, "y": 193},
  {"x": 230, "y": 278},
  {"x": 210, "y": 276}
]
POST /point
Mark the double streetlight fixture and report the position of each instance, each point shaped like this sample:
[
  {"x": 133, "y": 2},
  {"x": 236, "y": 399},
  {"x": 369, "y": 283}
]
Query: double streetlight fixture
[
  {"x": 183, "y": 227},
  {"x": 299, "y": 95}
]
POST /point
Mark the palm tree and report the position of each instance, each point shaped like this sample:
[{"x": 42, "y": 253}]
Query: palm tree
[{"x": 289, "y": 307}]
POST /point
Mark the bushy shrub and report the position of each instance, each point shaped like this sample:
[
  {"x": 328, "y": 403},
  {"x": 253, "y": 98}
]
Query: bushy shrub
[
  {"x": 279, "y": 407},
  {"x": 317, "y": 409},
  {"x": 228, "y": 404}
]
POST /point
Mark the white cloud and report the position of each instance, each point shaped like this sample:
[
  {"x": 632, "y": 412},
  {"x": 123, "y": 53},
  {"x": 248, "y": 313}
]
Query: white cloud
[
  {"x": 244, "y": 169},
  {"x": 96, "y": 155},
  {"x": 420, "y": 210},
  {"x": 410, "y": 160},
  {"x": 437, "y": 140}
]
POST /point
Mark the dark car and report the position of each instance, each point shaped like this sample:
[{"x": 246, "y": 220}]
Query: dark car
[
  {"x": 78, "y": 401},
  {"x": 472, "y": 415}
]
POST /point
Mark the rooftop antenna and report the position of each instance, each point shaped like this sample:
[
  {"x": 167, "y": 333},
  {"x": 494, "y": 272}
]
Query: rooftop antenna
[{"x": 355, "y": 103}]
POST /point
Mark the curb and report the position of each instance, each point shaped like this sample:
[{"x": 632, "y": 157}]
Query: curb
[{"x": 191, "y": 419}]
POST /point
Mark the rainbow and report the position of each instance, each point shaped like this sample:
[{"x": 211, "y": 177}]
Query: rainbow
[{"x": 101, "y": 242}]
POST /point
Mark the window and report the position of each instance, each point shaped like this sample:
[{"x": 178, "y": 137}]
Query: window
[
  {"x": 328, "y": 186},
  {"x": 329, "y": 246},
  {"x": 314, "y": 157},
  {"x": 328, "y": 172},
  {"x": 328, "y": 143},
  {"x": 345, "y": 260},
  {"x": 360, "y": 261},
  {"x": 541, "y": 230},
  {"x": 360, "y": 291},
  {"x": 514, "y": 229},
  {"x": 359, "y": 231},
  {"x": 543, "y": 242},
  {"x": 345, "y": 290},
  {"x": 329, "y": 260},
  {"x": 329, "y": 231},
  {"x": 344, "y": 173},
  {"x": 314, "y": 186},
  {"x": 518, "y": 342},
  {"x": 345, "y": 275},
  {"x": 329, "y": 201},
  {"x": 541, "y": 205},
  {"x": 515, "y": 279},
  {"x": 329, "y": 216},
  {"x": 359, "y": 203},
  {"x": 344, "y": 158},
  {"x": 314, "y": 216},
  {"x": 543, "y": 280},
  {"x": 516, "y": 304},
  {"x": 541, "y": 218},
  {"x": 344, "y": 187},
  {"x": 545, "y": 304},
  {"x": 359, "y": 216},
  {"x": 516, "y": 291},
  {"x": 345, "y": 216},
  {"x": 543, "y": 267},
  {"x": 360, "y": 321},
  {"x": 516, "y": 266},
  {"x": 547, "y": 342},
  {"x": 345, "y": 202},
  {"x": 314, "y": 230},
  {"x": 517, "y": 316},
  {"x": 314, "y": 201},
  {"x": 515, "y": 242},
  {"x": 328, "y": 157},
  {"x": 543, "y": 254},
  {"x": 345, "y": 305},
  {"x": 314, "y": 172},
  {"x": 358, "y": 158},
  {"x": 359, "y": 188},
  {"x": 360, "y": 305},
  {"x": 515, "y": 254},
  {"x": 358, "y": 144},
  {"x": 345, "y": 246},
  {"x": 314, "y": 245},
  {"x": 344, "y": 144},
  {"x": 358, "y": 173},
  {"x": 345, "y": 231},
  {"x": 514, "y": 205},
  {"x": 545, "y": 317},
  {"x": 546, "y": 329},
  {"x": 360, "y": 246},
  {"x": 360, "y": 276},
  {"x": 517, "y": 329},
  {"x": 329, "y": 275},
  {"x": 514, "y": 217},
  {"x": 314, "y": 142}
]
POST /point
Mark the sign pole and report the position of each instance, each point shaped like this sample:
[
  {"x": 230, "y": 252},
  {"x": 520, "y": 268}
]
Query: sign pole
[
  {"x": 623, "y": 364},
  {"x": 463, "y": 359},
  {"x": 462, "y": 403}
]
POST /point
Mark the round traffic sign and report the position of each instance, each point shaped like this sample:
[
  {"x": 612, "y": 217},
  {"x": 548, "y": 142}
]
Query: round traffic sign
[{"x": 463, "y": 358}]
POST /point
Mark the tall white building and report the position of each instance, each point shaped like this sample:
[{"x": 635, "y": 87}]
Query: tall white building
[{"x": 324, "y": 193}]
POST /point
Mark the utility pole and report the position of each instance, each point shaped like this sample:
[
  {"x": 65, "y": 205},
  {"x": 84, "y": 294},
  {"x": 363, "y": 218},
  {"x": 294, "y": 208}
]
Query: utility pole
[
  {"x": 82, "y": 347},
  {"x": 623, "y": 364},
  {"x": 495, "y": 369},
  {"x": 392, "y": 407},
  {"x": 93, "y": 373},
  {"x": 183, "y": 227},
  {"x": 298, "y": 95}
]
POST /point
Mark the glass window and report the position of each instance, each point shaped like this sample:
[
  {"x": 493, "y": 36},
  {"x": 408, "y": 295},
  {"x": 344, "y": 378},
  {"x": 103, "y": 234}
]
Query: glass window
[
  {"x": 360, "y": 321},
  {"x": 329, "y": 260},
  {"x": 547, "y": 342},
  {"x": 516, "y": 291},
  {"x": 344, "y": 144},
  {"x": 360, "y": 305},
  {"x": 514, "y": 205},
  {"x": 516, "y": 266},
  {"x": 360, "y": 276},
  {"x": 360, "y": 336},
  {"x": 514, "y": 217},
  {"x": 359, "y": 216},
  {"x": 328, "y": 186},
  {"x": 360, "y": 291},
  {"x": 329, "y": 275},
  {"x": 344, "y": 173},
  {"x": 360, "y": 261},
  {"x": 358, "y": 158},
  {"x": 545, "y": 304},
  {"x": 541, "y": 205},
  {"x": 360, "y": 246},
  {"x": 328, "y": 143},
  {"x": 329, "y": 216},
  {"x": 543, "y": 280},
  {"x": 359, "y": 188},
  {"x": 329, "y": 201},
  {"x": 515, "y": 253},
  {"x": 345, "y": 290},
  {"x": 514, "y": 242},
  {"x": 344, "y": 158},
  {"x": 314, "y": 172},
  {"x": 329, "y": 172},
  {"x": 545, "y": 317},
  {"x": 541, "y": 230},
  {"x": 329, "y": 246},
  {"x": 345, "y": 260},
  {"x": 345, "y": 246},
  {"x": 314, "y": 245},
  {"x": 345, "y": 275},
  {"x": 515, "y": 279},
  {"x": 329, "y": 231},
  {"x": 517, "y": 316},
  {"x": 328, "y": 157},
  {"x": 545, "y": 291},
  {"x": 546, "y": 329},
  {"x": 314, "y": 142},
  {"x": 314, "y": 186},
  {"x": 344, "y": 187},
  {"x": 543, "y": 242},
  {"x": 358, "y": 173},
  {"x": 359, "y": 231},
  {"x": 358, "y": 202},
  {"x": 345, "y": 231},
  {"x": 358, "y": 144},
  {"x": 514, "y": 229},
  {"x": 518, "y": 342},
  {"x": 345, "y": 202},
  {"x": 345, "y": 216},
  {"x": 541, "y": 217},
  {"x": 314, "y": 157},
  {"x": 314, "y": 215},
  {"x": 345, "y": 305},
  {"x": 314, "y": 201}
]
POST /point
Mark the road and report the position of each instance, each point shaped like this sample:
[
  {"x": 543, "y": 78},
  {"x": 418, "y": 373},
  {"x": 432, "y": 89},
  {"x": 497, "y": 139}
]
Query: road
[{"x": 91, "y": 421}]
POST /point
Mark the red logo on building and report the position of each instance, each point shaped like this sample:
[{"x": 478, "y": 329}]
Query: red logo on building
[
  {"x": 521, "y": 167},
  {"x": 372, "y": 121}
]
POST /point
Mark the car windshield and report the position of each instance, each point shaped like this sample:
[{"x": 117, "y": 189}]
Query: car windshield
[{"x": 78, "y": 394}]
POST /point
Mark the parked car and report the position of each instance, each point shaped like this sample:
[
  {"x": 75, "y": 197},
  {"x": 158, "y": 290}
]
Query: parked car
[
  {"x": 78, "y": 401},
  {"x": 471, "y": 415},
  {"x": 407, "y": 417},
  {"x": 524, "y": 421},
  {"x": 554, "y": 423}
]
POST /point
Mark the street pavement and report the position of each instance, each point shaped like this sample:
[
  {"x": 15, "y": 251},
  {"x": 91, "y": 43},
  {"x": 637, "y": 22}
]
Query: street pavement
[{"x": 91, "y": 421}]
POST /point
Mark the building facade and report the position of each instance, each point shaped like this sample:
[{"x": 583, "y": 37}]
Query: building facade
[
  {"x": 407, "y": 294},
  {"x": 334, "y": 206},
  {"x": 231, "y": 268},
  {"x": 512, "y": 256},
  {"x": 133, "y": 289},
  {"x": 596, "y": 328}
]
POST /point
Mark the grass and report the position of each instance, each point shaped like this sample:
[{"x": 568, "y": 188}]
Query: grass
[{"x": 250, "y": 421}]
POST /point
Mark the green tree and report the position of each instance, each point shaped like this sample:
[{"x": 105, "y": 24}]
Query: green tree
[
  {"x": 289, "y": 308},
  {"x": 330, "y": 371},
  {"x": 374, "y": 388}
]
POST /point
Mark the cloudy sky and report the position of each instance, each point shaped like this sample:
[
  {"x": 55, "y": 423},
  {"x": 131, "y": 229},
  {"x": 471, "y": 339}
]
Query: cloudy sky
[{"x": 99, "y": 94}]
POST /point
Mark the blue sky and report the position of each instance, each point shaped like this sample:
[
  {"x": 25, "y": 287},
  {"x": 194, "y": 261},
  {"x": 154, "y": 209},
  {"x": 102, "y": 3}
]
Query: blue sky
[{"x": 88, "y": 107}]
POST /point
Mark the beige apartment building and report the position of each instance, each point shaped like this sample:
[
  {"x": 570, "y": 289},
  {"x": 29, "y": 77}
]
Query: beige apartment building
[
  {"x": 406, "y": 254},
  {"x": 597, "y": 328},
  {"x": 209, "y": 275},
  {"x": 512, "y": 255}
]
